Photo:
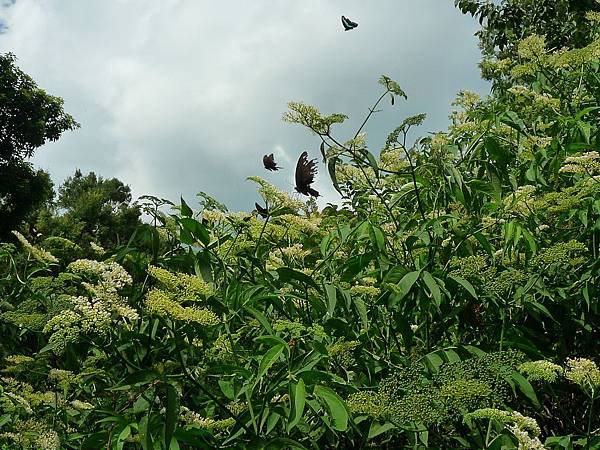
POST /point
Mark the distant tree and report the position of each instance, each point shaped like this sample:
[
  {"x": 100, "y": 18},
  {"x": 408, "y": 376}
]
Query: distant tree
[
  {"x": 563, "y": 22},
  {"x": 29, "y": 117},
  {"x": 90, "y": 208},
  {"x": 22, "y": 191}
]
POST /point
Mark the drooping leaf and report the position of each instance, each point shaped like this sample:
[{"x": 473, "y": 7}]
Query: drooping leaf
[{"x": 335, "y": 406}]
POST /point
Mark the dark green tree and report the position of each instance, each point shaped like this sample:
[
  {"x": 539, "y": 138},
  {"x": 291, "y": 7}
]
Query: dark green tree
[
  {"x": 22, "y": 190},
  {"x": 91, "y": 208},
  {"x": 29, "y": 117},
  {"x": 504, "y": 23}
]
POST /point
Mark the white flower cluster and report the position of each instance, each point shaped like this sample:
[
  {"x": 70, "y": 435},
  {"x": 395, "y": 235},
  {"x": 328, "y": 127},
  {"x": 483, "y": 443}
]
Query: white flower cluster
[
  {"x": 60, "y": 375},
  {"x": 81, "y": 406},
  {"x": 111, "y": 275},
  {"x": 524, "y": 428},
  {"x": 48, "y": 440},
  {"x": 17, "y": 399},
  {"x": 96, "y": 312},
  {"x": 583, "y": 372},
  {"x": 213, "y": 215},
  {"x": 588, "y": 162},
  {"x": 275, "y": 197},
  {"x": 300, "y": 223},
  {"x": 38, "y": 253},
  {"x": 98, "y": 249},
  {"x": 295, "y": 251},
  {"x": 526, "y": 442},
  {"x": 521, "y": 202}
]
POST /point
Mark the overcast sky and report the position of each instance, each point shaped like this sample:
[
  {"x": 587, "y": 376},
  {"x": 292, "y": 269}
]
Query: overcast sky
[{"x": 180, "y": 96}]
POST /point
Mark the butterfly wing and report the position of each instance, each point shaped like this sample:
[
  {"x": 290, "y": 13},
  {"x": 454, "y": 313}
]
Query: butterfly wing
[
  {"x": 269, "y": 162},
  {"x": 264, "y": 212},
  {"x": 305, "y": 175},
  {"x": 348, "y": 24}
]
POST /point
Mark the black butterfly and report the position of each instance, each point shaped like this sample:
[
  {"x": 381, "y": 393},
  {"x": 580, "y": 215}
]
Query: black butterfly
[
  {"x": 348, "y": 24},
  {"x": 305, "y": 175},
  {"x": 264, "y": 212},
  {"x": 269, "y": 162}
]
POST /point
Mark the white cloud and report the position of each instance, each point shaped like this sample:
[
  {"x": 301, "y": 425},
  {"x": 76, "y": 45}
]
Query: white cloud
[{"x": 180, "y": 96}]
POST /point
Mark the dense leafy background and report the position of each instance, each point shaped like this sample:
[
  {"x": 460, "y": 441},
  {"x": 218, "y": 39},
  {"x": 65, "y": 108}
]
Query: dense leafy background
[{"x": 449, "y": 301}]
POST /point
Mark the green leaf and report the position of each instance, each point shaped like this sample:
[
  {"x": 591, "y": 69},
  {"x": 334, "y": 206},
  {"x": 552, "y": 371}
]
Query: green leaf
[
  {"x": 361, "y": 309},
  {"x": 497, "y": 152},
  {"x": 262, "y": 319},
  {"x": 331, "y": 293},
  {"x": 377, "y": 237},
  {"x": 123, "y": 435},
  {"x": 268, "y": 360},
  {"x": 530, "y": 240},
  {"x": 484, "y": 243},
  {"x": 372, "y": 162},
  {"x": 335, "y": 405},
  {"x": 298, "y": 401},
  {"x": 464, "y": 283},
  {"x": 433, "y": 287},
  {"x": 433, "y": 361},
  {"x": 541, "y": 308},
  {"x": 171, "y": 413},
  {"x": 513, "y": 120},
  {"x": 286, "y": 274},
  {"x": 196, "y": 229},
  {"x": 525, "y": 387},
  {"x": 378, "y": 428},
  {"x": 202, "y": 266},
  {"x": 186, "y": 211},
  {"x": 139, "y": 378},
  {"x": 332, "y": 173},
  {"x": 227, "y": 388},
  {"x": 406, "y": 284},
  {"x": 145, "y": 435}
]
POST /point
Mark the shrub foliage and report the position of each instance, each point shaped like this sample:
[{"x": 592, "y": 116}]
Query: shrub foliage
[{"x": 449, "y": 301}]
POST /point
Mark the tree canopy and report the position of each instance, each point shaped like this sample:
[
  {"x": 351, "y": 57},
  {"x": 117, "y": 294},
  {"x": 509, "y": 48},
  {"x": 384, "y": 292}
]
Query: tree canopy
[
  {"x": 565, "y": 23},
  {"x": 29, "y": 117},
  {"x": 90, "y": 208}
]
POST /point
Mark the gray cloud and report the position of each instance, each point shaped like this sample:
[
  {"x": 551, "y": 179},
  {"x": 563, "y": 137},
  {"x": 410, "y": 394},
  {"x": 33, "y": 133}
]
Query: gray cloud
[{"x": 177, "y": 96}]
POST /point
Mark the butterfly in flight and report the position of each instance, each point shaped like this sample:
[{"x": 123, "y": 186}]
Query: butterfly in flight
[
  {"x": 305, "y": 175},
  {"x": 269, "y": 162},
  {"x": 263, "y": 212},
  {"x": 348, "y": 24}
]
